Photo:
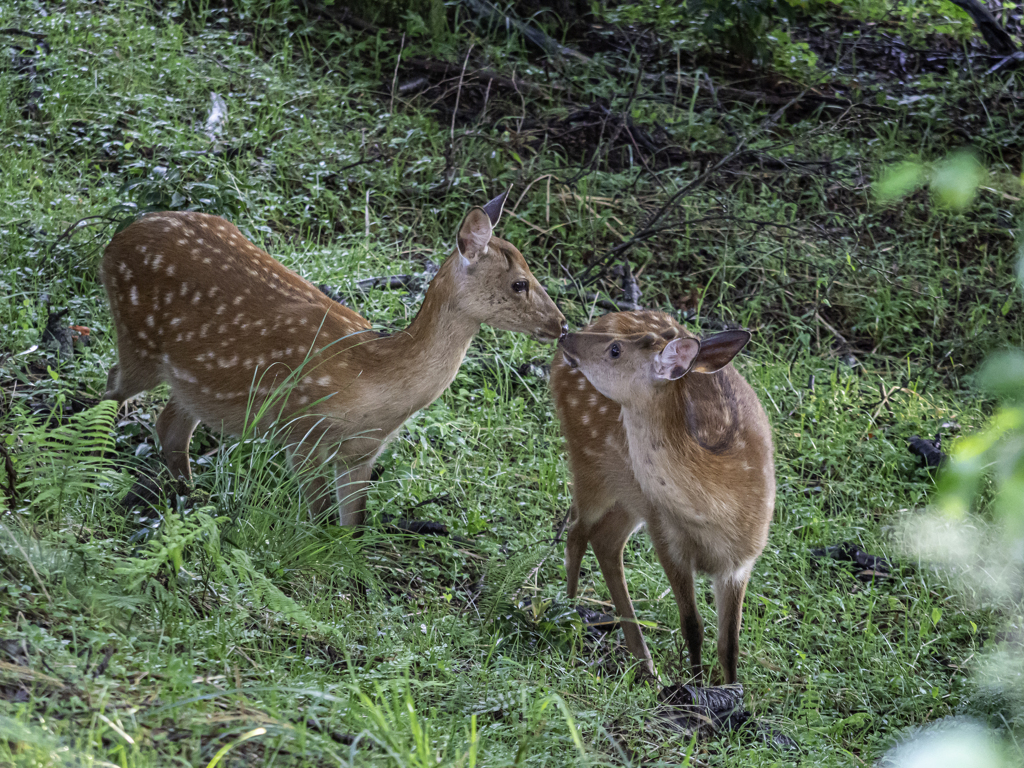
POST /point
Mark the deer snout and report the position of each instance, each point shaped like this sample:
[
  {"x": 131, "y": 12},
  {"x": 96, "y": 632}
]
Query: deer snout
[
  {"x": 568, "y": 346},
  {"x": 554, "y": 330}
]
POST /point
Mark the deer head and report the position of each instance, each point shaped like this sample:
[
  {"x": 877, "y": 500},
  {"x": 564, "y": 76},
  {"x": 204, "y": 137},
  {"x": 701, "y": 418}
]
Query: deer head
[
  {"x": 628, "y": 369},
  {"x": 494, "y": 286}
]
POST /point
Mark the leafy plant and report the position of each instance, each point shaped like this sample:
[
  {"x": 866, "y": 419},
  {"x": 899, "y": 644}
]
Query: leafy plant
[{"x": 58, "y": 465}]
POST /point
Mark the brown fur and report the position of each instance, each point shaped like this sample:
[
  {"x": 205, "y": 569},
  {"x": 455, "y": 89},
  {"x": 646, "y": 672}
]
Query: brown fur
[
  {"x": 236, "y": 334},
  {"x": 690, "y": 458}
]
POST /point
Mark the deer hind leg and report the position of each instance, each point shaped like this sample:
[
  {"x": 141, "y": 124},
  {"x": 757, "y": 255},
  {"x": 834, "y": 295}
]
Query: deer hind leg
[
  {"x": 729, "y": 592},
  {"x": 350, "y": 483},
  {"x": 174, "y": 427},
  {"x": 608, "y": 538}
]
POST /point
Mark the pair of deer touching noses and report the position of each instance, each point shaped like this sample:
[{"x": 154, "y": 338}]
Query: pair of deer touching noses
[{"x": 661, "y": 431}]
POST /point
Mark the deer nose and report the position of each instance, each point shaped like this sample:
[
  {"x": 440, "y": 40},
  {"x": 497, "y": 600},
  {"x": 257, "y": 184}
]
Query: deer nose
[{"x": 565, "y": 330}]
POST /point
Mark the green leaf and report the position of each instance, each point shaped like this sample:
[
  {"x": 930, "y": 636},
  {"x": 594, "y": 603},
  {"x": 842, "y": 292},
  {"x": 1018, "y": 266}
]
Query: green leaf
[
  {"x": 899, "y": 180},
  {"x": 955, "y": 180}
]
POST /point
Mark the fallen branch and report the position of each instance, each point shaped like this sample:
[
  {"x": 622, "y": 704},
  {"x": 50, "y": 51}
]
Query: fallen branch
[
  {"x": 549, "y": 45},
  {"x": 452, "y": 70},
  {"x": 998, "y": 39}
]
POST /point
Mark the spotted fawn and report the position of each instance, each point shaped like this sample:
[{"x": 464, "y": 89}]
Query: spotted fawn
[
  {"x": 245, "y": 343},
  {"x": 662, "y": 431}
]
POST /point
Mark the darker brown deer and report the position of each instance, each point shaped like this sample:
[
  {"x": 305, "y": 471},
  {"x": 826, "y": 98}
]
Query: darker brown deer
[
  {"x": 662, "y": 431},
  {"x": 245, "y": 343}
]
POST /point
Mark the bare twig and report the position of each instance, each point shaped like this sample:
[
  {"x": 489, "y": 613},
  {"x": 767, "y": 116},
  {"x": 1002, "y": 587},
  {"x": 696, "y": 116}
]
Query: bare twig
[
  {"x": 394, "y": 78},
  {"x": 648, "y": 226},
  {"x": 458, "y": 93}
]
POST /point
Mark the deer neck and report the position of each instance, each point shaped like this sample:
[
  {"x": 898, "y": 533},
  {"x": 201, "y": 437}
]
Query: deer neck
[{"x": 421, "y": 361}]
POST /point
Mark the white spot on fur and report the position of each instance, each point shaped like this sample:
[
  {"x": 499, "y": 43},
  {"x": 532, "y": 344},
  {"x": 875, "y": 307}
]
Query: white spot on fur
[
  {"x": 184, "y": 375},
  {"x": 133, "y": 294}
]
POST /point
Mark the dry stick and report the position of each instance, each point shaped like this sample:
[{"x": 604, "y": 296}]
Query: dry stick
[
  {"x": 648, "y": 229},
  {"x": 458, "y": 93},
  {"x": 528, "y": 186},
  {"x": 394, "y": 78},
  {"x": 441, "y": 68}
]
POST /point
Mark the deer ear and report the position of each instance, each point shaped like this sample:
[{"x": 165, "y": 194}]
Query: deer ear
[
  {"x": 494, "y": 208},
  {"x": 676, "y": 359},
  {"x": 717, "y": 351},
  {"x": 474, "y": 235}
]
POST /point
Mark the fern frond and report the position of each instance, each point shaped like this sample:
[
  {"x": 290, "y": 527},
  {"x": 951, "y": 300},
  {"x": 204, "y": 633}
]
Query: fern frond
[
  {"x": 277, "y": 601},
  {"x": 68, "y": 461},
  {"x": 167, "y": 549},
  {"x": 503, "y": 579}
]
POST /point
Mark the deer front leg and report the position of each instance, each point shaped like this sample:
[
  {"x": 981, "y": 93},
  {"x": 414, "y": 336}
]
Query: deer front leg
[
  {"x": 729, "y": 592},
  {"x": 680, "y": 578},
  {"x": 608, "y": 538}
]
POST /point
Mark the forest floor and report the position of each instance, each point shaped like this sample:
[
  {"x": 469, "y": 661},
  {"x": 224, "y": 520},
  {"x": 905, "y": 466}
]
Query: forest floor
[{"x": 644, "y": 158}]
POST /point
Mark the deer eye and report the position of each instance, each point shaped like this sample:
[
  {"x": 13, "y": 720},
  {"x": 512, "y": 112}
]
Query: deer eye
[
  {"x": 615, "y": 350},
  {"x": 519, "y": 286}
]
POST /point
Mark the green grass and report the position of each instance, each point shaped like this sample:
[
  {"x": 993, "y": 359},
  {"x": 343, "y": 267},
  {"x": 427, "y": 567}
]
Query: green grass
[{"x": 386, "y": 650}]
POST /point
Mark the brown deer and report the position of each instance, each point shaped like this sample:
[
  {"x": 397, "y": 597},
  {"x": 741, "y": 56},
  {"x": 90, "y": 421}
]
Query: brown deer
[
  {"x": 662, "y": 431},
  {"x": 247, "y": 344}
]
